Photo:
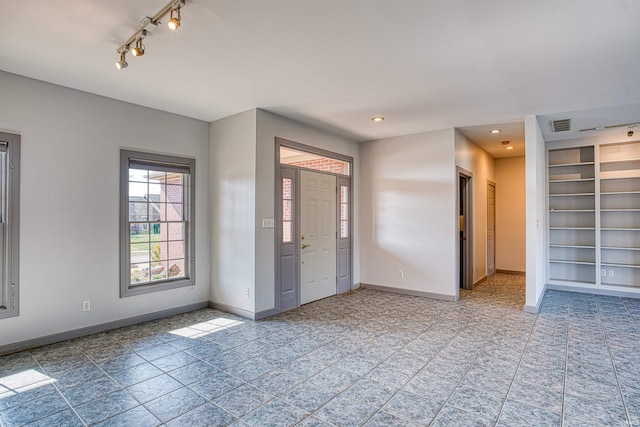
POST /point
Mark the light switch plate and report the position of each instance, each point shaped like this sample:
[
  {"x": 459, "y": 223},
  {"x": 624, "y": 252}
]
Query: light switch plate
[{"x": 268, "y": 223}]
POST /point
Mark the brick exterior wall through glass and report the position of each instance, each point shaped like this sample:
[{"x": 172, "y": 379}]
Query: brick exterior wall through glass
[{"x": 324, "y": 165}]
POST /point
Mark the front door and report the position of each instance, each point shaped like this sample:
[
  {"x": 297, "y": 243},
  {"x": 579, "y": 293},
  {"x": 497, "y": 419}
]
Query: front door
[{"x": 317, "y": 236}]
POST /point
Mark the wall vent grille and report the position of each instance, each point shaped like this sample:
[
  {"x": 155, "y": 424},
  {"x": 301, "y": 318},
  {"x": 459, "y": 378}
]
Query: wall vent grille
[{"x": 561, "y": 125}]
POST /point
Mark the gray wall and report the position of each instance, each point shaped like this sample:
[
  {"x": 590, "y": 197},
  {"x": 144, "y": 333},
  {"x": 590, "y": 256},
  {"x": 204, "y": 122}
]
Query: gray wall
[{"x": 69, "y": 203}]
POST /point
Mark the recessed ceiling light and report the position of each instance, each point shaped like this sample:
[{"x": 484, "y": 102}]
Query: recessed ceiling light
[
  {"x": 496, "y": 130},
  {"x": 510, "y": 147},
  {"x": 377, "y": 118}
]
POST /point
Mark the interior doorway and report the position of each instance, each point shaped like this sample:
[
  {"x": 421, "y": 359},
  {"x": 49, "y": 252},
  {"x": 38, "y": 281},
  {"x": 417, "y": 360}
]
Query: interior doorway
[
  {"x": 465, "y": 231},
  {"x": 491, "y": 228},
  {"x": 318, "y": 227}
]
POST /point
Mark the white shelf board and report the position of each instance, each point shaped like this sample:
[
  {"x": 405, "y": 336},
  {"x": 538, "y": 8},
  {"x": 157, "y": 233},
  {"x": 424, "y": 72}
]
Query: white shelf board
[
  {"x": 612, "y": 264},
  {"x": 551, "y": 181},
  {"x": 571, "y": 194},
  {"x": 564, "y": 261},
  {"x": 572, "y": 228},
  {"x": 618, "y": 248},
  {"x": 561, "y": 165}
]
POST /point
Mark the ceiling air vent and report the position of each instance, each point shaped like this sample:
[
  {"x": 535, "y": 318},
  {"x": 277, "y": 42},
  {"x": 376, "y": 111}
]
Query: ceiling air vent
[{"x": 561, "y": 125}]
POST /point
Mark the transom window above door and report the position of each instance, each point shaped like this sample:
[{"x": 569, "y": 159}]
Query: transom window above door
[{"x": 303, "y": 159}]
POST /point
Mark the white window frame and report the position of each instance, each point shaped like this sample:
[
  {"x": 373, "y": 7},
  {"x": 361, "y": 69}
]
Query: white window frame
[
  {"x": 163, "y": 163},
  {"x": 9, "y": 226}
]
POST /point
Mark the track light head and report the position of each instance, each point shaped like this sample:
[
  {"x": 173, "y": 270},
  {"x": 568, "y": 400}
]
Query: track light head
[
  {"x": 138, "y": 50},
  {"x": 122, "y": 64},
  {"x": 174, "y": 21}
]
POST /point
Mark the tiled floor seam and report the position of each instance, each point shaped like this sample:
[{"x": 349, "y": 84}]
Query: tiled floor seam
[
  {"x": 566, "y": 362},
  {"x": 533, "y": 328},
  {"x": 465, "y": 375},
  {"x": 613, "y": 365},
  {"x": 73, "y": 409}
]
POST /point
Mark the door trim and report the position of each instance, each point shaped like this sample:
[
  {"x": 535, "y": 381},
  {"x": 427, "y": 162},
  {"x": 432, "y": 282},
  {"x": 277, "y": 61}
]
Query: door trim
[
  {"x": 280, "y": 142},
  {"x": 491, "y": 184},
  {"x": 468, "y": 252}
]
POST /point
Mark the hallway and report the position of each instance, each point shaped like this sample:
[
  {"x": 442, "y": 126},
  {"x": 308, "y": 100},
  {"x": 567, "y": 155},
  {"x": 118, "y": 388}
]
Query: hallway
[{"x": 363, "y": 358}]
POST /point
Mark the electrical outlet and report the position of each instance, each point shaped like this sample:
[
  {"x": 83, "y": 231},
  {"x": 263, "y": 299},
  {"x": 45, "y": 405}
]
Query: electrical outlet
[
  {"x": 86, "y": 305},
  {"x": 401, "y": 274},
  {"x": 610, "y": 273},
  {"x": 603, "y": 272},
  {"x": 246, "y": 292}
]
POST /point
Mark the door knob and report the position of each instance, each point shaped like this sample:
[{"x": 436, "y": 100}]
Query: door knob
[{"x": 304, "y": 246}]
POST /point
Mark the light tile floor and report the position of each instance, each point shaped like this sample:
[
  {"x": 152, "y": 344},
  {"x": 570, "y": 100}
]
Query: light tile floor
[{"x": 364, "y": 358}]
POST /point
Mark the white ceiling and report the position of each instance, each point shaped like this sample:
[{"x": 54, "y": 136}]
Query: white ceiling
[{"x": 422, "y": 64}]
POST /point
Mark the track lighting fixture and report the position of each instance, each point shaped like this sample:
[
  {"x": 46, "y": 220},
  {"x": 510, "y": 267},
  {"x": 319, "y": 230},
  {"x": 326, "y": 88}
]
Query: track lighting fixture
[
  {"x": 630, "y": 128},
  {"x": 147, "y": 25},
  {"x": 174, "y": 22},
  {"x": 122, "y": 64}
]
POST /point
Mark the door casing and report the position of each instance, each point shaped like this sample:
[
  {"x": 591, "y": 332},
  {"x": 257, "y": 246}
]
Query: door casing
[
  {"x": 491, "y": 227},
  {"x": 464, "y": 252},
  {"x": 288, "y": 298}
]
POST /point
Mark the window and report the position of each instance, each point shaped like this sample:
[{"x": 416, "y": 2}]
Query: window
[
  {"x": 157, "y": 222},
  {"x": 287, "y": 208},
  {"x": 9, "y": 214},
  {"x": 344, "y": 212}
]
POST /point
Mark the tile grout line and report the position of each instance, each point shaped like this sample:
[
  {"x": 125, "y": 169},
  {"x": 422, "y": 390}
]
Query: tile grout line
[
  {"x": 613, "y": 365},
  {"x": 465, "y": 375},
  {"x": 533, "y": 327},
  {"x": 73, "y": 409},
  {"x": 566, "y": 358}
]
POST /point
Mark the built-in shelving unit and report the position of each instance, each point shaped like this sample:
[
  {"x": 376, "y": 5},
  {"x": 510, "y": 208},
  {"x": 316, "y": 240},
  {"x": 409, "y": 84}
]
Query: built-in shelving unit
[
  {"x": 594, "y": 215},
  {"x": 572, "y": 232},
  {"x": 620, "y": 214}
]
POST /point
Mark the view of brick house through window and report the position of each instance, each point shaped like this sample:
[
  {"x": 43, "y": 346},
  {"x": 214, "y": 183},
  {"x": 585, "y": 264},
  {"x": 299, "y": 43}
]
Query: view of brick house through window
[
  {"x": 322, "y": 164},
  {"x": 318, "y": 162},
  {"x": 157, "y": 225}
]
